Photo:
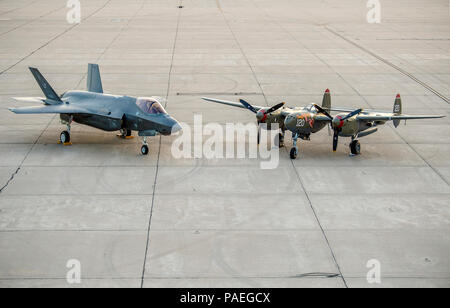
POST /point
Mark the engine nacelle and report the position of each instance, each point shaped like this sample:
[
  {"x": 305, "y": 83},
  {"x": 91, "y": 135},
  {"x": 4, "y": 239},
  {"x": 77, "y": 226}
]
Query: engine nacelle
[{"x": 348, "y": 127}]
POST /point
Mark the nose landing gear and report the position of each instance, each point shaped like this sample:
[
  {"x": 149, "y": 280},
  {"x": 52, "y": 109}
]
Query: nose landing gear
[
  {"x": 64, "y": 138},
  {"x": 144, "y": 148},
  {"x": 294, "y": 150}
]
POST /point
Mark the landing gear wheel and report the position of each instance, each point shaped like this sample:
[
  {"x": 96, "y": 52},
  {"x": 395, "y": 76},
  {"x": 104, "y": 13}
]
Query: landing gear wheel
[
  {"x": 279, "y": 140},
  {"x": 355, "y": 147},
  {"x": 64, "y": 137},
  {"x": 294, "y": 153},
  {"x": 125, "y": 133},
  {"x": 144, "y": 149}
]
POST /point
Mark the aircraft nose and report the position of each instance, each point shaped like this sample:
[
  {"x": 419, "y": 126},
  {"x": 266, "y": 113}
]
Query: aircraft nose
[{"x": 176, "y": 127}]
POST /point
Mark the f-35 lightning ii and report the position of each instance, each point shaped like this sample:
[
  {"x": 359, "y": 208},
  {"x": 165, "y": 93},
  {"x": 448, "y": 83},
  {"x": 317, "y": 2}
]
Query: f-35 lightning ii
[{"x": 103, "y": 111}]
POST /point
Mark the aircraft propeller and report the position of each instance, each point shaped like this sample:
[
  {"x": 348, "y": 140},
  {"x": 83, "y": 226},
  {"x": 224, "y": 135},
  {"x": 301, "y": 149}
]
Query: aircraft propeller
[
  {"x": 337, "y": 123},
  {"x": 261, "y": 115},
  {"x": 320, "y": 109}
]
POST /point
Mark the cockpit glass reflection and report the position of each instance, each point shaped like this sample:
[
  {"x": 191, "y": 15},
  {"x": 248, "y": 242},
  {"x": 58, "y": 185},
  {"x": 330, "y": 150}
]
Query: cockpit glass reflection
[{"x": 150, "y": 105}]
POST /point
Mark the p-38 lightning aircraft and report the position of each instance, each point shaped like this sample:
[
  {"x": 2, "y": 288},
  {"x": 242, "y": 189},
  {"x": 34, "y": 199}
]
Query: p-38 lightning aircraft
[
  {"x": 303, "y": 121},
  {"x": 103, "y": 111},
  {"x": 360, "y": 123}
]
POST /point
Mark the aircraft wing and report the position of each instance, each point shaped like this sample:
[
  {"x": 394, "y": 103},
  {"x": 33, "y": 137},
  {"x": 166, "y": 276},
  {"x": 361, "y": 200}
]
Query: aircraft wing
[
  {"x": 320, "y": 117},
  {"x": 396, "y": 117},
  {"x": 62, "y": 108},
  {"x": 65, "y": 109},
  {"x": 342, "y": 109},
  {"x": 239, "y": 105}
]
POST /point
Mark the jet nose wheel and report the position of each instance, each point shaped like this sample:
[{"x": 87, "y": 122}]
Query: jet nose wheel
[
  {"x": 64, "y": 138},
  {"x": 355, "y": 147},
  {"x": 294, "y": 153},
  {"x": 144, "y": 149}
]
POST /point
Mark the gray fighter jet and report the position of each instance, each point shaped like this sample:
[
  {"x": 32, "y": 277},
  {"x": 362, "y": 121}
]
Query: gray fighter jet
[{"x": 103, "y": 111}]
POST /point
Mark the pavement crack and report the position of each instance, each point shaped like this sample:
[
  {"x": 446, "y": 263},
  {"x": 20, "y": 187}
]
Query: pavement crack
[
  {"x": 411, "y": 76},
  {"x": 318, "y": 275},
  {"x": 147, "y": 244},
  {"x": 52, "y": 39},
  {"x": 10, "y": 180}
]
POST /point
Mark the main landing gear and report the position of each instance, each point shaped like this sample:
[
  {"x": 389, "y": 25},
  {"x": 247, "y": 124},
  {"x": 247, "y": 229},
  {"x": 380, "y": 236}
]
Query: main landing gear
[
  {"x": 294, "y": 150},
  {"x": 125, "y": 134},
  {"x": 64, "y": 137},
  {"x": 279, "y": 140},
  {"x": 144, "y": 148},
  {"x": 355, "y": 147}
]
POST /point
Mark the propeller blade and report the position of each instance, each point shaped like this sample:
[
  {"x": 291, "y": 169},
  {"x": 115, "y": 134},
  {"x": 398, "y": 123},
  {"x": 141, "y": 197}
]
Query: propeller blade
[
  {"x": 351, "y": 114},
  {"x": 335, "y": 140},
  {"x": 259, "y": 132},
  {"x": 248, "y": 106},
  {"x": 329, "y": 129},
  {"x": 321, "y": 110},
  {"x": 274, "y": 108}
]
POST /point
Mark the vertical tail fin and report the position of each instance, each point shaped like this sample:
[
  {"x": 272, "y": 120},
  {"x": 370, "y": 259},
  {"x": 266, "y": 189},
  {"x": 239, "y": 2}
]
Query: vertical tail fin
[
  {"x": 44, "y": 85},
  {"x": 397, "y": 109},
  {"x": 94, "y": 82},
  {"x": 326, "y": 101}
]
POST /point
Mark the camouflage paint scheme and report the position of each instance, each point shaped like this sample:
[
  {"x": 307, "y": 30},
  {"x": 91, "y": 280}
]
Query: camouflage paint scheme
[{"x": 304, "y": 121}]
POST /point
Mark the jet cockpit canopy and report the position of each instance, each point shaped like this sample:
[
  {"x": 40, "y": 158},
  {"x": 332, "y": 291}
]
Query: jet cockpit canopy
[{"x": 150, "y": 105}]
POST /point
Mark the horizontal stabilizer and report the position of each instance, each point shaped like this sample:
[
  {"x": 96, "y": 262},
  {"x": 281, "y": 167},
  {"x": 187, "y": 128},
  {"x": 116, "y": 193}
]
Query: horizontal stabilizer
[
  {"x": 395, "y": 117},
  {"x": 29, "y": 99}
]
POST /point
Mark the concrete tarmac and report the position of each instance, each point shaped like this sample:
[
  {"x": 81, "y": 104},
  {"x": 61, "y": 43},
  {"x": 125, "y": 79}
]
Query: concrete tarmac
[{"x": 157, "y": 221}]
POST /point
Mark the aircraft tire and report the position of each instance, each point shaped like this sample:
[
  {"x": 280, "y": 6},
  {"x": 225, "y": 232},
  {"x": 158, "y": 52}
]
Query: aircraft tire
[
  {"x": 355, "y": 147},
  {"x": 294, "y": 153},
  {"x": 144, "y": 149},
  {"x": 279, "y": 140},
  {"x": 64, "y": 137}
]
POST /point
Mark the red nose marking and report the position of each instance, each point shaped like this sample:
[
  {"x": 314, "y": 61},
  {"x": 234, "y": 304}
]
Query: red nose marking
[
  {"x": 327, "y": 91},
  {"x": 264, "y": 118},
  {"x": 398, "y": 95},
  {"x": 341, "y": 123}
]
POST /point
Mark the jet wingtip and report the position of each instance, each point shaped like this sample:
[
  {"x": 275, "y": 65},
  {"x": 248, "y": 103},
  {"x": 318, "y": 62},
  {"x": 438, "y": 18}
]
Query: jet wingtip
[{"x": 207, "y": 98}]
